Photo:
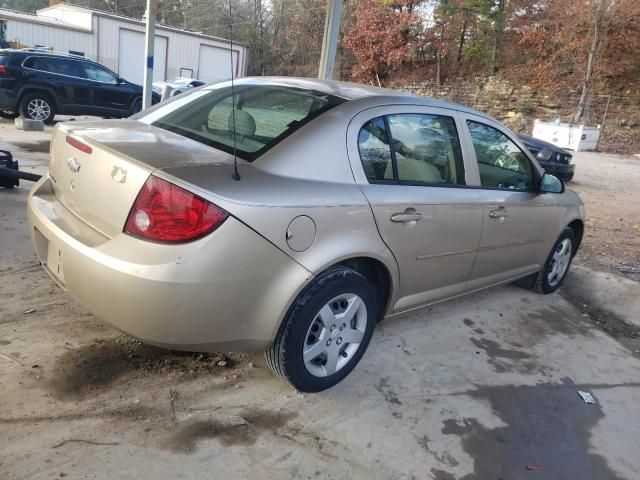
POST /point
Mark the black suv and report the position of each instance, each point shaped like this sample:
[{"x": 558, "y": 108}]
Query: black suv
[{"x": 38, "y": 84}]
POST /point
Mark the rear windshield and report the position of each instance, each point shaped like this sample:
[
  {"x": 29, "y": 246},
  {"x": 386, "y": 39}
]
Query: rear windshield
[{"x": 257, "y": 117}]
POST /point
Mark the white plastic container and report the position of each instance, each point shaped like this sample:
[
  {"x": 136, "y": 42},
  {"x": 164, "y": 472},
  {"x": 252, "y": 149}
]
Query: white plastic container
[{"x": 566, "y": 135}]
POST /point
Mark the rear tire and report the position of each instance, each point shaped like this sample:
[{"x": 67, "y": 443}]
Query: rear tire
[
  {"x": 137, "y": 106},
  {"x": 38, "y": 106},
  {"x": 325, "y": 332},
  {"x": 556, "y": 267}
]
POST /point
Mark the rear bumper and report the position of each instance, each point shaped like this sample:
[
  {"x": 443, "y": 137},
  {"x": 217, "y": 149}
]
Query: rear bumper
[{"x": 225, "y": 292}]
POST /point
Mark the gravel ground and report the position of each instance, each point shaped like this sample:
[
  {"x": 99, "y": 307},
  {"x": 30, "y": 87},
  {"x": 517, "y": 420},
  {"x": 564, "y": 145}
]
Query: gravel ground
[{"x": 609, "y": 187}]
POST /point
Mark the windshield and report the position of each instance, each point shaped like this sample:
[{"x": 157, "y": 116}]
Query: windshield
[{"x": 256, "y": 117}]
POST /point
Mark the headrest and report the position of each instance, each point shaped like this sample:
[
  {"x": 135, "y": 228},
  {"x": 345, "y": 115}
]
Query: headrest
[{"x": 245, "y": 124}]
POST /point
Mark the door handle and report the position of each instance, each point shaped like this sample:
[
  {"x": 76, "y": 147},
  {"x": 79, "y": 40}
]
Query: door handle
[
  {"x": 500, "y": 212},
  {"x": 409, "y": 216}
]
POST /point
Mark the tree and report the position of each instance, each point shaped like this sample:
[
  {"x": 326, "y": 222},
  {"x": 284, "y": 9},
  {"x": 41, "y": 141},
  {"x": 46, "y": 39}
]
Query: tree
[
  {"x": 28, "y": 6},
  {"x": 597, "y": 33},
  {"x": 381, "y": 37}
]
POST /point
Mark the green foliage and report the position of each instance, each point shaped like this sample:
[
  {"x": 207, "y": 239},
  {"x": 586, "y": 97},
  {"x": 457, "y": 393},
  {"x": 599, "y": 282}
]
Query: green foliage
[{"x": 479, "y": 51}]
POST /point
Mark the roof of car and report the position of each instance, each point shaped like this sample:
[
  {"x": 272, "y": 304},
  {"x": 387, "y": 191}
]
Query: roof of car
[{"x": 354, "y": 91}]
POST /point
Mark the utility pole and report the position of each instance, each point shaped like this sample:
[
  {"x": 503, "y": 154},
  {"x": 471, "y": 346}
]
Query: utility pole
[
  {"x": 330, "y": 40},
  {"x": 149, "y": 40}
]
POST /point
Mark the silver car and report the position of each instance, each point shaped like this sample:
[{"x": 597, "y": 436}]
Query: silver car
[{"x": 292, "y": 215}]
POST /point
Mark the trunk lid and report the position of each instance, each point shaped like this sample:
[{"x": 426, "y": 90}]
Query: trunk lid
[{"x": 100, "y": 186}]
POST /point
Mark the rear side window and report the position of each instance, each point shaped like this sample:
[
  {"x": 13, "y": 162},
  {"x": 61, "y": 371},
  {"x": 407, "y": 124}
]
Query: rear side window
[
  {"x": 412, "y": 149},
  {"x": 255, "y": 117},
  {"x": 70, "y": 68},
  {"x": 500, "y": 161},
  {"x": 43, "y": 64},
  {"x": 59, "y": 66},
  {"x": 375, "y": 151}
]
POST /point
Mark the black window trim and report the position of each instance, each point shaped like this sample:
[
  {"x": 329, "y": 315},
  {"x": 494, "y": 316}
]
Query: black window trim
[
  {"x": 396, "y": 178},
  {"x": 536, "y": 175}
]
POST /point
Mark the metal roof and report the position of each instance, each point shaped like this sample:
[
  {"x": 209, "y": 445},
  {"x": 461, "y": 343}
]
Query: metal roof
[{"x": 124, "y": 18}]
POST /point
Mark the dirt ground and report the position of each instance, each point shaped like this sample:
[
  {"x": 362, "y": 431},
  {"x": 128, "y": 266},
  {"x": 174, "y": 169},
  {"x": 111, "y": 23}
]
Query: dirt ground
[
  {"x": 483, "y": 387},
  {"x": 609, "y": 186}
]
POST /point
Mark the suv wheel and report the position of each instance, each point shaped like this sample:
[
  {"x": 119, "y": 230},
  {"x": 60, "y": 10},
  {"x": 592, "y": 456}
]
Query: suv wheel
[
  {"x": 37, "y": 106},
  {"x": 325, "y": 332},
  {"x": 137, "y": 106}
]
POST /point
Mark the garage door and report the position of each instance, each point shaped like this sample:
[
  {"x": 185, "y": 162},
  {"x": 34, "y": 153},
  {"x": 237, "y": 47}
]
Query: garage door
[
  {"x": 131, "y": 61},
  {"x": 214, "y": 64}
]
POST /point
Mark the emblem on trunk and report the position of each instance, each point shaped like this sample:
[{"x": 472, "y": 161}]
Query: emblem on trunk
[
  {"x": 119, "y": 174},
  {"x": 73, "y": 164}
]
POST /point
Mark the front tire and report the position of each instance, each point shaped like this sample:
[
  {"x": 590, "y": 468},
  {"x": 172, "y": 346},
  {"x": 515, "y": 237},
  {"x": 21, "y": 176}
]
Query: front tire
[
  {"x": 325, "y": 332},
  {"x": 38, "y": 106},
  {"x": 556, "y": 267}
]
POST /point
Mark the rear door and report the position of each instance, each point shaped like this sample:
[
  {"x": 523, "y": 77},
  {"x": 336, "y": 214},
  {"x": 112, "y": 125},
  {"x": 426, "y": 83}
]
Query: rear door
[
  {"x": 408, "y": 161},
  {"x": 517, "y": 219},
  {"x": 57, "y": 74}
]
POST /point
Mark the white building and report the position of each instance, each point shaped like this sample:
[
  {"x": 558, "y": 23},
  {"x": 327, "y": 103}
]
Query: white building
[{"x": 117, "y": 42}]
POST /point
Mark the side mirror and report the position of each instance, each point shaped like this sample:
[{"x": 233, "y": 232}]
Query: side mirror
[
  {"x": 551, "y": 184},
  {"x": 120, "y": 81}
]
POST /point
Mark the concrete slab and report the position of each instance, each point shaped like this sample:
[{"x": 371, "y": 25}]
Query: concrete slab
[{"x": 29, "y": 125}]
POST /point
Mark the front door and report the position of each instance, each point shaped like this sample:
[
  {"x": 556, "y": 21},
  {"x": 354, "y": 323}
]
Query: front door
[
  {"x": 412, "y": 159},
  {"x": 517, "y": 219},
  {"x": 110, "y": 97}
]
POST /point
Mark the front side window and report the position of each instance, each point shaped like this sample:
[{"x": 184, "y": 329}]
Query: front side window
[
  {"x": 423, "y": 149},
  {"x": 501, "y": 162},
  {"x": 70, "y": 68},
  {"x": 263, "y": 115},
  {"x": 99, "y": 74}
]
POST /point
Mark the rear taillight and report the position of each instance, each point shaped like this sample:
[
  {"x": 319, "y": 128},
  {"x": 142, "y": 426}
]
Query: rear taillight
[
  {"x": 164, "y": 212},
  {"x": 3, "y": 69},
  {"x": 83, "y": 147}
]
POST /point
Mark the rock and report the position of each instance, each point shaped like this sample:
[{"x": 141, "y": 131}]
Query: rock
[{"x": 237, "y": 420}]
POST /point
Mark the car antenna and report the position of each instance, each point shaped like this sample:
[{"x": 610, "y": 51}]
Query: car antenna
[{"x": 235, "y": 175}]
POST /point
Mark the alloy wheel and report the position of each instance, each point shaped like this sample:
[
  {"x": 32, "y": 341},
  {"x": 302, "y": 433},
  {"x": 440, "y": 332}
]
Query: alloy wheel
[
  {"x": 335, "y": 335},
  {"x": 38, "y": 109},
  {"x": 559, "y": 262}
]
